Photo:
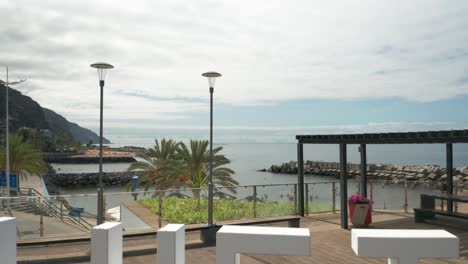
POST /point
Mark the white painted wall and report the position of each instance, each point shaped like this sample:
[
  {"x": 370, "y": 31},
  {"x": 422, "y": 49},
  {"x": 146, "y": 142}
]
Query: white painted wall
[
  {"x": 8, "y": 240},
  {"x": 130, "y": 220}
]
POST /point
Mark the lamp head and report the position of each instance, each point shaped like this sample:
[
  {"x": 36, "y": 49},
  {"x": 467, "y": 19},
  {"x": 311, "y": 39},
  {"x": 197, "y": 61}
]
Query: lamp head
[
  {"x": 211, "y": 77},
  {"x": 102, "y": 68}
]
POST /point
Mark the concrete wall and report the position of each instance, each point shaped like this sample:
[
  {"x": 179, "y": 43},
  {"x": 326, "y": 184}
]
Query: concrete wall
[{"x": 130, "y": 220}]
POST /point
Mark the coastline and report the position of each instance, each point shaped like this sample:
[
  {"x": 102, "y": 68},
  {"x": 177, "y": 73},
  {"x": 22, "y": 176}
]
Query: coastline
[{"x": 390, "y": 172}]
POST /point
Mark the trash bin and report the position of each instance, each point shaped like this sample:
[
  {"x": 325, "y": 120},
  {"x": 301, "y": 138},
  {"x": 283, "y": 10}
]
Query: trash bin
[
  {"x": 75, "y": 211},
  {"x": 360, "y": 213}
]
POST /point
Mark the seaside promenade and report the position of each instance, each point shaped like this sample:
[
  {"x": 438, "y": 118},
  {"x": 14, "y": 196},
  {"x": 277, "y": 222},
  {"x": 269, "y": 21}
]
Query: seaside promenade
[{"x": 330, "y": 244}]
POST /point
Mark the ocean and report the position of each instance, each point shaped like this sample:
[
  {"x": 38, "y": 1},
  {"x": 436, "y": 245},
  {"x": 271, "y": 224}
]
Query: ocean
[{"x": 247, "y": 159}]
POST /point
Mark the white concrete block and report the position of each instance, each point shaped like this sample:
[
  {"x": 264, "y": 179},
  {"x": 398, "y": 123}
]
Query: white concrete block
[
  {"x": 106, "y": 243},
  {"x": 8, "y": 240},
  {"x": 171, "y": 244},
  {"x": 404, "y": 246},
  {"x": 232, "y": 240}
]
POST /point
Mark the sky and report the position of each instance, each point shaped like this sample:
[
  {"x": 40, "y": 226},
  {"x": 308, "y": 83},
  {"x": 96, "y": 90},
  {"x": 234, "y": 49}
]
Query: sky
[{"x": 289, "y": 67}]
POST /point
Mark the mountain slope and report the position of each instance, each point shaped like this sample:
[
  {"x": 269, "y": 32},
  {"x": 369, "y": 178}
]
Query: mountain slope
[{"x": 25, "y": 112}]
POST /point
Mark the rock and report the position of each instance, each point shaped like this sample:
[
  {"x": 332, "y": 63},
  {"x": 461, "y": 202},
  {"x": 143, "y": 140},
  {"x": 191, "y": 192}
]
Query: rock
[
  {"x": 433, "y": 176},
  {"x": 423, "y": 171},
  {"x": 464, "y": 171},
  {"x": 443, "y": 177}
]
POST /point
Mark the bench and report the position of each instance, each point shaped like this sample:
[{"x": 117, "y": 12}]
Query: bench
[
  {"x": 404, "y": 245},
  {"x": 208, "y": 234},
  {"x": 233, "y": 240},
  {"x": 293, "y": 221},
  {"x": 428, "y": 210}
]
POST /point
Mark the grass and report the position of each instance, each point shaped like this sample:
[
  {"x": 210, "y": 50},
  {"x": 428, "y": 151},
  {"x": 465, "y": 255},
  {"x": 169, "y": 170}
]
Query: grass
[{"x": 178, "y": 210}]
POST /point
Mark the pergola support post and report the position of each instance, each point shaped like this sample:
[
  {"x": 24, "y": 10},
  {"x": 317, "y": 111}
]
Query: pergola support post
[
  {"x": 343, "y": 186},
  {"x": 300, "y": 178},
  {"x": 363, "y": 151},
  {"x": 449, "y": 175}
]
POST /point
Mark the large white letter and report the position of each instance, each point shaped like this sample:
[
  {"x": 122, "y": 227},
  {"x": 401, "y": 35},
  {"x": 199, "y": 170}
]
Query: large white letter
[
  {"x": 232, "y": 240},
  {"x": 171, "y": 244},
  {"x": 404, "y": 246},
  {"x": 106, "y": 243},
  {"x": 8, "y": 240}
]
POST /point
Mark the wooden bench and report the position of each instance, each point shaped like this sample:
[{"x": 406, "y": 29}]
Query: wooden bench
[{"x": 428, "y": 210}]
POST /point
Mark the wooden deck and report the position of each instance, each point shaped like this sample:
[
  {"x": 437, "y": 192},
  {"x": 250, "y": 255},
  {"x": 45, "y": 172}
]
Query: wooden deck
[{"x": 330, "y": 244}]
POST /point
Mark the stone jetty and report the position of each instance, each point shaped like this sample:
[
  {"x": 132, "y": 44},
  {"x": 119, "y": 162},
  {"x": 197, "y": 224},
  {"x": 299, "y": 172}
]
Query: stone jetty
[
  {"x": 389, "y": 172},
  {"x": 90, "y": 179}
]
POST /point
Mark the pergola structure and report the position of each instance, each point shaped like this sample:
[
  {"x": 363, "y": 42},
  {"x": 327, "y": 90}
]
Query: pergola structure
[{"x": 430, "y": 137}]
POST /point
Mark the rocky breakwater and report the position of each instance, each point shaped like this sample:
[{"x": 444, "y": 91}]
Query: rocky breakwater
[
  {"x": 90, "y": 179},
  {"x": 86, "y": 160},
  {"x": 390, "y": 172}
]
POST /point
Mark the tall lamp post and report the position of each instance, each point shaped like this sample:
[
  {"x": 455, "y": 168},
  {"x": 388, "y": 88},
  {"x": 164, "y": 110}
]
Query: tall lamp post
[
  {"x": 211, "y": 81},
  {"x": 7, "y": 134},
  {"x": 102, "y": 68}
]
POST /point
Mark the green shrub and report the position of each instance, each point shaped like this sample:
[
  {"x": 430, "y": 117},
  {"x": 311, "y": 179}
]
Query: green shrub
[{"x": 177, "y": 210}]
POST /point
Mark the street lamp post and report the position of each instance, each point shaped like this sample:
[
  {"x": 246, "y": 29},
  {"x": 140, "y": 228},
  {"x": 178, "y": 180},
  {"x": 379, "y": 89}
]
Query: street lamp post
[
  {"x": 7, "y": 134},
  {"x": 102, "y": 68},
  {"x": 211, "y": 81}
]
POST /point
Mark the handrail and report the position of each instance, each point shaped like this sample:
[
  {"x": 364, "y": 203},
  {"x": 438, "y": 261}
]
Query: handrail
[{"x": 52, "y": 209}]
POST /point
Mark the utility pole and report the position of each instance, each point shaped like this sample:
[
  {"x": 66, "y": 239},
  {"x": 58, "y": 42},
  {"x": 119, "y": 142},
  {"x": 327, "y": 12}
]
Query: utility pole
[{"x": 7, "y": 133}]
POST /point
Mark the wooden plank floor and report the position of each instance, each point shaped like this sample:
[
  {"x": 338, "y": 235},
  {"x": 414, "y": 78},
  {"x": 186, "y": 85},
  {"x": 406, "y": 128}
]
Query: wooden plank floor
[{"x": 330, "y": 244}]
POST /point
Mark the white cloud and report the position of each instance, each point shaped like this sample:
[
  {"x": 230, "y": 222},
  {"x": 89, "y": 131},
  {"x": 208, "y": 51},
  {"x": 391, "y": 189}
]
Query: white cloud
[{"x": 267, "y": 51}]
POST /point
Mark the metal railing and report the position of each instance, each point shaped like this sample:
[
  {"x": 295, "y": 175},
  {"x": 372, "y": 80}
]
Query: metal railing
[
  {"x": 190, "y": 206},
  {"x": 30, "y": 198}
]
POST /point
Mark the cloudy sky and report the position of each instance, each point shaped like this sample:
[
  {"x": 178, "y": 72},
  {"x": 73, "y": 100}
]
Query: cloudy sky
[{"x": 289, "y": 67}]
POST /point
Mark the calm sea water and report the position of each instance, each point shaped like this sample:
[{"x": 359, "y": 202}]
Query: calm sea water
[{"x": 248, "y": 158}]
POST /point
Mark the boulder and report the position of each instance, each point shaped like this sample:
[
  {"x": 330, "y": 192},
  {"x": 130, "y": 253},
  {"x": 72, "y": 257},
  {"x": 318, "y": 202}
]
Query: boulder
[
  {"x": 443, "y": 177},
  {"x": 433, "y": 176},
  {"x": 464, "y": 171}
]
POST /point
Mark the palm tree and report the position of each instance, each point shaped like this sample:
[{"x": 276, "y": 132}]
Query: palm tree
[
  {"x": 161, "y": 168},
  {"x": 25, "y": 159},
  {"x": 196, "y": 164}
]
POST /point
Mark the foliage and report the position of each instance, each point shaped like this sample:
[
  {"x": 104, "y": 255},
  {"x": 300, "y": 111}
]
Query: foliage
[
  {"x": 172, "y": 164},
  {"x": 179, "y": 210},
  {"x": 24, "y": 157},
  {"x": 160, "y": 165},
  {"x": 47, "y": 141},
  {"x": 196, "y": 162}
]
